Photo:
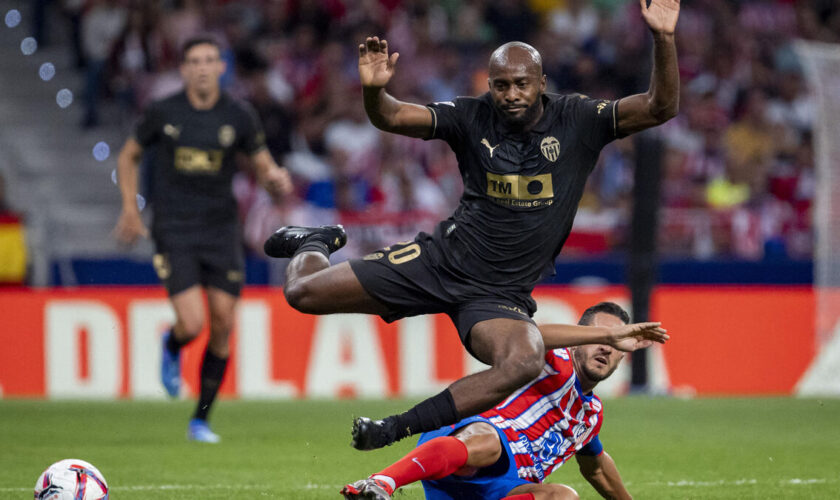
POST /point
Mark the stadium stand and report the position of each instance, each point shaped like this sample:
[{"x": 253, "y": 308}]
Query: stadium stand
[{"x": 738, "y": 164}]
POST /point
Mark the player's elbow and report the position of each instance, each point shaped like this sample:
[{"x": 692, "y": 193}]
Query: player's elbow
[
  {"x": 384, "y": 121},
  {"x": 662, "y": 112},
  {"x": 661, "y": 106},
  {"x": 381, "y": 123},
  {"x": 667, "y": 113},
  {"x": 128, "y": 165},
  {"x": 127, "y": 157}
]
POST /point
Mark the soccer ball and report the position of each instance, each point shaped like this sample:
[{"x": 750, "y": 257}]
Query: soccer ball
[{"x": 71, "y": 479}]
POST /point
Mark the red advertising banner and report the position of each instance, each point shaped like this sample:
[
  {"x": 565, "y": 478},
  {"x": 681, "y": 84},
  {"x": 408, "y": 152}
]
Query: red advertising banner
[{"x": 105, "y": 343}]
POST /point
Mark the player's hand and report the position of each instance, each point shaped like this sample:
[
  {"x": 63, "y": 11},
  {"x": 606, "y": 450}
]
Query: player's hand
[
  {"x": 637, "y": 336},
  {"x": 661, "y": 16},
  {"x": 277, "y": 182},
  {"x": 375, "y": 66},
  {"x": 130, "y": 227}
]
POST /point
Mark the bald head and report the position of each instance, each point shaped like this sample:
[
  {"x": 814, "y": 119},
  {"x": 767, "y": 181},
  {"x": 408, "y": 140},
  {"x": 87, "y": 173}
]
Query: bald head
[
  {"x": 516, "y": 55},
  {"x": 516, "y": 84}
]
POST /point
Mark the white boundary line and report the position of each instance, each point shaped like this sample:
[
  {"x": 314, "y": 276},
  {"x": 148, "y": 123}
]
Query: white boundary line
[
  {"x": 683, "y": 483},
  {"x": 738, "y": 482}
]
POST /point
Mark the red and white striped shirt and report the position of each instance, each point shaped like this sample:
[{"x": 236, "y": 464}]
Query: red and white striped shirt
[{"x": 549, "y": 420}]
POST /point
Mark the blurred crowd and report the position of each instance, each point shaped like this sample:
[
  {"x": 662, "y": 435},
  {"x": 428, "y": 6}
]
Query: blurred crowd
[{"x": 737, "y": 162}]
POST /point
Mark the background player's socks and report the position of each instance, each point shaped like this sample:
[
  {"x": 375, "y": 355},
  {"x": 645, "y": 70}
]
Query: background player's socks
[
  {"x": 170, "y": 364},
  {"x": 314, "y": 245},
  {"x": 428, "y": 415},
  {"x": 173, "y": 345},
  {"x": 523, "y": 496},
  {"x": 434, "y": 459},
  {"x": 212, "y": 372}
]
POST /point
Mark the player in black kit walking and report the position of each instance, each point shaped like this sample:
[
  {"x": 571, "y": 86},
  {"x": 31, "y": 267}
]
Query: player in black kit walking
[
  {"x": 195, "y": 135},
  {"x": 524, "y": 156}
]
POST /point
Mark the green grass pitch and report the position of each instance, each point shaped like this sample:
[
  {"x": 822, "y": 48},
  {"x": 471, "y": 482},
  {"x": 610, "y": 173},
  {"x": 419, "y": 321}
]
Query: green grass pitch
[{"x": 664, "y": 448}]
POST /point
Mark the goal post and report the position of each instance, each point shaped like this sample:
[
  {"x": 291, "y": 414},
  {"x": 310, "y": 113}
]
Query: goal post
[{"x": 821, "y": 63}]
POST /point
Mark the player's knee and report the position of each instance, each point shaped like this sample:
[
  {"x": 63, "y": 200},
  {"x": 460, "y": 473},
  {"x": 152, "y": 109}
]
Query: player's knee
[
  {"x": 221, "y": 326},
  {"x": 483, "y": 449},
  {"x": 523, "y": 367},
  {"x": 220, "y": 331},
  {"x": 296, "y": 295},
  {"x": 189, "y": 328},
  {"x": 561, "y": 492},
  {"x": 300, "y": 295}
]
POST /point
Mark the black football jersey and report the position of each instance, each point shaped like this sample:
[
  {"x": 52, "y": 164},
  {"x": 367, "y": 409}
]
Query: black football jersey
[
  {"x": 521, "y": 190},
  {"x": 194, "y": 159}
]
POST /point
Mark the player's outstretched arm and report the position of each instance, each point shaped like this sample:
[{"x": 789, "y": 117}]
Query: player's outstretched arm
[
  {"x": 624, "y": 338},
  {"x": 130, "y": 225},
  {"x": 603, "y": 475},
  {"x": 386, "y": 113},
  {"x": 661, "y": 102}
]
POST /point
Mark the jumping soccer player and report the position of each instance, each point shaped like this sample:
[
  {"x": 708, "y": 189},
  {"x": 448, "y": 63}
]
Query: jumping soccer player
[
  {"x": 507, "y": 452},
  {"x": 196, "y": 134},
  {"x": 524, "y": 156}
]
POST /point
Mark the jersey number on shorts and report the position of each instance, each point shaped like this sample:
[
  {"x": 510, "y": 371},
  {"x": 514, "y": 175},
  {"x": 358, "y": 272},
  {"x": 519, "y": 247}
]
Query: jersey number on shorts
[
  {"x": 404, "y": 254},
  {"x": 162, "y": 266}
]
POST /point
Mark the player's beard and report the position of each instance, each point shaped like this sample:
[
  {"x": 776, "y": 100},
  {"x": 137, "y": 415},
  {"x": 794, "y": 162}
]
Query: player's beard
[
  {"x": 593, "y": 376},
  {"x": 528, "y": 117}
]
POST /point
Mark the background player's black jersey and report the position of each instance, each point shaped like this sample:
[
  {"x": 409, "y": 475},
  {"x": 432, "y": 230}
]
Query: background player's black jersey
[
  {"x": 193, "y": 163},
  {"x": 521, "y": 190}
]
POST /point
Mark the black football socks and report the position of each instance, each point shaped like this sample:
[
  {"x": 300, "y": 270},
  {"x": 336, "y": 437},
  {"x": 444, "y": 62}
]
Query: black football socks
[
  {"x": 212, "y": 373},
  {"x": 314, "y": 245},
  {"x": 173, "y": 345},
  {"x": 428, "y": 415}
]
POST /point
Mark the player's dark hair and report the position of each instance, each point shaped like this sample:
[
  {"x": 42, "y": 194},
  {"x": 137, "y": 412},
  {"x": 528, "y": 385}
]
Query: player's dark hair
[
  {"x": 604, "y": 307},
  {"x": 199, "y": 40}
]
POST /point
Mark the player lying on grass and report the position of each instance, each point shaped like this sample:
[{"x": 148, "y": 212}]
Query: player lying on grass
[{"x": 508, "y": 451}]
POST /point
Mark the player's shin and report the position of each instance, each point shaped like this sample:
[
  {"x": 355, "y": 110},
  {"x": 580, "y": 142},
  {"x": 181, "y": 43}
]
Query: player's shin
[
  {"x": 428, "y": 415},
  {"x": 212, "y": 373},
  {"x": 434, "y": 459},
  {"x": 174, "y": 342}
]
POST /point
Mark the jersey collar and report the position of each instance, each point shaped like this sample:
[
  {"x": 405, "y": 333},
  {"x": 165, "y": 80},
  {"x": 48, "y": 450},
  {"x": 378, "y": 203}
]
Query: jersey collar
[
  {"x": 544, "y": 123},
  {"x": 585, "y": 397}
]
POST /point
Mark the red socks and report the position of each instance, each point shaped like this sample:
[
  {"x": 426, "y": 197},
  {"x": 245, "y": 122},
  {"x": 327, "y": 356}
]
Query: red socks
[{"x": 434, "y": 459}]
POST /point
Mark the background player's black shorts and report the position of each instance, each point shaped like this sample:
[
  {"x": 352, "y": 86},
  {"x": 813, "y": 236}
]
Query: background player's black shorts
[
  {"x": 407, "y": 279},
  {"x": 212, "y": 258}
]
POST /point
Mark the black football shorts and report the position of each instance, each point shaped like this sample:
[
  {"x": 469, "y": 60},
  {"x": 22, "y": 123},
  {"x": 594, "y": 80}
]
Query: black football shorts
[
  {"x": 408, "y": 280},
  {"x": 215, "y": 260}
]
